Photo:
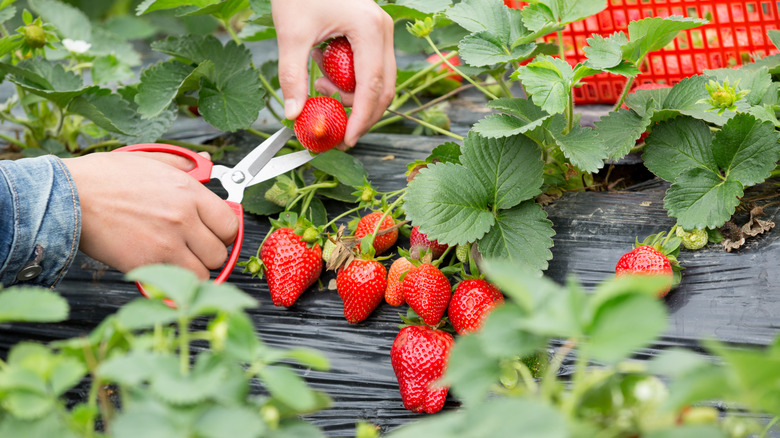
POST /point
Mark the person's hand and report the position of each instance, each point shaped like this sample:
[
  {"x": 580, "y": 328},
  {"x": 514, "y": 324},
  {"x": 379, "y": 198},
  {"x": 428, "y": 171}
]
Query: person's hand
[
  {"x": 139, "y": 208},
  {"x": 302, "y": 24}
]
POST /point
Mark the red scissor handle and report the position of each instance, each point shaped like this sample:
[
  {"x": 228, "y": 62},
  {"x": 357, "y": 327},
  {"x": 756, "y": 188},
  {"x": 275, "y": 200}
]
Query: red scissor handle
[{"x": 201, "y": 172}]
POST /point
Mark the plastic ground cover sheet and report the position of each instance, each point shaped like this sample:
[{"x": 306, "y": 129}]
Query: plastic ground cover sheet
[{"x": 732, "y": 297}]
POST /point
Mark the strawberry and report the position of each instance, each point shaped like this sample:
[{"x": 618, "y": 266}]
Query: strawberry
[
  {"x": 394, "y": 294},
  {"x": 366, "y": 226},
  {"x": 694, "y": 239},
  {"x": 470, "y": 304},
  {"x": 646, "y": 260},
  {"x": 427, "y": 291},
  {"x": 444, "y": 67},
  {"x": 419, "y": 244},
  {"x": 321, "y": 124},
  {"x": 291, "y": 265},
  {"x": 419, "y": 358},
  {"x": 361, "y": 285},
  {"x": 338, "y": 65}
]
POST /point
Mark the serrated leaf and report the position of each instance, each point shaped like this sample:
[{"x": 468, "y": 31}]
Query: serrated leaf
[
  {"x": 135, "y": 367},
  {"x": 160, "y": 84},
  {"x": 203, "y": 381},
  {"x": 448, "y": 152},
  {"x": 569, "y": 11},
  {"x": 548, "y": 80},
  {"x": 677, "y": 145},
  {"x": 70, "y": 21},
  {"x": 619, "y": 130},
  {"x": 747, "y": 149},
  {"x": 115, "y": 114},
  {"x": 522, "y": 116},
  {"x": 149, "y": 130},
  {"x": 10, "y": 43},
  {"x": 348, "y": 169},
  {"x": 700, "y": 198},
  {"x": 537, "y": 16},
  {"x": 482, "y": 15},
  {"x": 521, "y": 234},
  {"x": 686, "y": 97},
  {"x": 176, "y": 283},
  {"x": 484, "y": 49},
  {"x": 147, "y": 6},
  {"x": 29, "y": 304},
  {"x": 509, "y": 168},
  {"x": 233, "y": 104},
  {"x": 285, "y": 385},
  {"x": 449, "y": 204},
  {"x": 653, "y": 33},
  {"x": 583, "y": 147},
  {"x": 602, "y": 52},
  {"x": 425, "y": 6},
  {"x": 645, "y": 102},
  {"x": 47, "y": 79}
]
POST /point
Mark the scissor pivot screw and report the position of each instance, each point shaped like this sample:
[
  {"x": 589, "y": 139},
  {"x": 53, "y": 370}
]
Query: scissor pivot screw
[{"x": 238, "y": 177}]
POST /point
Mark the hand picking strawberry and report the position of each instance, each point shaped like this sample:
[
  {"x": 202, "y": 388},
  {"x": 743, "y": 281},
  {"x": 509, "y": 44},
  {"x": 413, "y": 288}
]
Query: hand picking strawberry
[
  {"x": 321, "y": 125},
  {"x": 419, "y": 358}
]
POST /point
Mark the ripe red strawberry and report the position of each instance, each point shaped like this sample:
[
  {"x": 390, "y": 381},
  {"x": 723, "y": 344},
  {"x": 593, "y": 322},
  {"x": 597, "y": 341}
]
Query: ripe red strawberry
[
  {"x": 366, "y": 226},
  {"x": 338, "y": 64},
  {"x": 427, "y": 291},
  {"x": 470, "y": 304},
  {"x": 361, "y": 285},
  {"x": 646, "y": 260},
  {"x": 291, "y": 265},
  {"x": 444, "y": 67},
  {"x": 419, "y": 243},
  {"x": 419, "y": 357},
  {"x": 394, "y": 294},
  {"x": 321, "y": 124}
]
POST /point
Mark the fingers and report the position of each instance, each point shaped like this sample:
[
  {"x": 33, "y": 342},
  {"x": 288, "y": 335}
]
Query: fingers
[{"x": 294, "y": 50}]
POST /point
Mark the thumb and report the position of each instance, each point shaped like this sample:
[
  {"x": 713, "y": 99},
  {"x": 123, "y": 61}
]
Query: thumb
[{"x": 293, "y": 77}]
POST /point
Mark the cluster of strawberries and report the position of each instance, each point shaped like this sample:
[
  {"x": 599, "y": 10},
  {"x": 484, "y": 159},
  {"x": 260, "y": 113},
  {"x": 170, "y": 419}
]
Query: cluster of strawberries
[{"x": 420, "y": 351}]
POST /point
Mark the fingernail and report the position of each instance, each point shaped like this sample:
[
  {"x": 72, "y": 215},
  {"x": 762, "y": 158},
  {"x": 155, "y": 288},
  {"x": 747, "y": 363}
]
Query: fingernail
[{"x": 291, "y": 108}]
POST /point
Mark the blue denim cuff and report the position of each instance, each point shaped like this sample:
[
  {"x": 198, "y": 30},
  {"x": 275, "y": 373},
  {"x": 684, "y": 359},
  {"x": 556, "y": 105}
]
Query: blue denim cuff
[{"x": 40, "y": 225}]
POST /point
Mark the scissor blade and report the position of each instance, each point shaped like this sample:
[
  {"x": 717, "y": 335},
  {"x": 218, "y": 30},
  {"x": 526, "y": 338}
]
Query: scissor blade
[
  {"x": 255, "y": 160},
  {"x": 280, "y": 165}
]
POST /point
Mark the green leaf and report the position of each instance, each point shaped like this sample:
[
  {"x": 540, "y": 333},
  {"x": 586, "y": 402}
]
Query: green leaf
[
  {"x": 134, "y": 368},
  {"x": 310, "y": 358},
  {"x": 234, "y": 422},
  {"x": 548, "y": 80},
  {"x": 522, "y": 234},
  {"x": 212, "y": 298},
  {"x": 448, "y": 152},
  {"x": 285, "y": 385},
  {"x": 160, "y": 84},
  {"x": 602, "y": 52},
  {"x": 29, "y": 304},
  {"x": 484, "y": 49},
  {"x": 70, "y": 21},
  {"x": 521, "y": 117},
  {"x": 234, "y": 103},
  {"x": 537, "y": 16},
  {"x": 482, "y": 15},
  {"x": 653, "y": 33},
  {"x": 583, "y": 147},
  {"x": 747, "y": 149},
  {"x": 700, "y": 198},
  {"x": 449, "y": 203},
  {"x": 757, "y": 81},
  {"x": 470, "y": 370},
  {"x": 143, "y": 313},
  {"x": 27, "y": 405},
  {"x": 147, "y": 6},
  {"x": 205, "y": 380},
  {"x": 678, "y": 145},
  {"x": 47, "y": 426},
  {"x": 645, "y": 102},
  {"x": 345, "y": 167},
  {"x": 254, "y": 199},
  {"x": 10, "y": 43},
  {"x": 619, "y": 130},
  {"x": 148, "y": 422},
  {"x": 177, "y": 283},
  {"x": 119, "y": 116},
  {"x": 624, "y": 324},
  {"x": 569, "y": 11},
  {"x": 510, "y": 168},
  {"x": 65, "y": 374},
  {"x": 47, "y": 79}
]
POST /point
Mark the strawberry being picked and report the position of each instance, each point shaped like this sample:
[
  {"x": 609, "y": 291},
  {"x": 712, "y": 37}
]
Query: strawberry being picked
[
  {"x": 654, "y": 256},
  {"x": 427, "y": 291},
  {"x": 471, "y": 302},
  {"x": 338, "y": 64},
  {"x": 367, "y": 224},
  {"x": 361, "y": 285},
  {"x": 321, "y": 124},
  {"x": 291, "y": 262},
  {"x": 419, "y": 358}
]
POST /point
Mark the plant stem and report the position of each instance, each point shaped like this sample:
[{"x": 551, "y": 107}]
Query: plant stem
[
  {"x": 561, "y": 49},
  {"x": 184, "y": 346},
  {"x": 456, "y": 70},
  {"x": 13, "y": 141},
  {"x": 270, "y": 89},
  {"x": 382, "y": 219},
  {"x": 555, "y": 364},
  {"x": 428, "y": 125}
]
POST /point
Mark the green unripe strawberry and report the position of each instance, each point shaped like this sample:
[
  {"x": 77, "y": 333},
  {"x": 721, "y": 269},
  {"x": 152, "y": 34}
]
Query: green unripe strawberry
[
  {"x": 694, "y": 239},
  {"x": 34, "y": 36},
  {"x": 327, "y": 249},
  {"x": 277, "y": 195},
  {"x": 462, "y": 252}
]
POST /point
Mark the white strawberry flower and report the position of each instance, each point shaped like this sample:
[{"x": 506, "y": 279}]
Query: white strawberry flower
[{"x": 76, "y": 46}]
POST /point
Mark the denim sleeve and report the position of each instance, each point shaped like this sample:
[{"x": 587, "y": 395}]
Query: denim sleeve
[{"x": 40, "y": 226}]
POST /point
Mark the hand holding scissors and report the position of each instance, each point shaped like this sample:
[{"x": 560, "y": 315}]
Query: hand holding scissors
[{"x": 257, "y": 166}]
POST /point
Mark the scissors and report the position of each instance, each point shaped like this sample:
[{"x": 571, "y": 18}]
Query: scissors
[{"x": 257, "y": 166}]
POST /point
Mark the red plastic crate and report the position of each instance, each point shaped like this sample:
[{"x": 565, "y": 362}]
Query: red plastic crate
[{"x": 737, "y": 30}]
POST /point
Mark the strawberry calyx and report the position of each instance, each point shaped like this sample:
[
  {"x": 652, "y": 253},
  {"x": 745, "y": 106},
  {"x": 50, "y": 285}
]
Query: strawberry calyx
[
  {"x": 301, "y": 226},
  {"x": 668, "y": 244},
  {"x": 412, "y": 318}
]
